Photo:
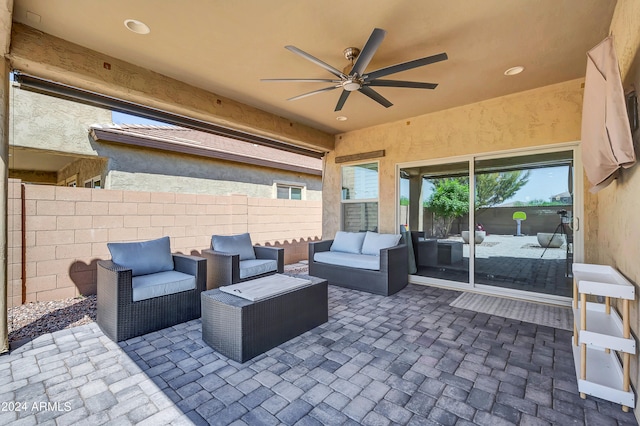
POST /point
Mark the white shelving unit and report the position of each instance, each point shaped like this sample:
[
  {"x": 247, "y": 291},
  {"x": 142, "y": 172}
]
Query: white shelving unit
[{"x": 600, "y": 334}]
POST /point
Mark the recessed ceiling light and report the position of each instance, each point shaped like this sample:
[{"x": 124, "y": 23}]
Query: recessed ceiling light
[
  {"x": 341, "y": 118},
  {"x": 137, "y": 26},
  {"x": 514, "y": 70}
]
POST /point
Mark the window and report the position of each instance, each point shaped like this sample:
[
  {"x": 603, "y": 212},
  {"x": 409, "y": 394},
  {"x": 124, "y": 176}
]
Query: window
[
  {"x": 70, "y": 181},
  {"x": 288, "y": 192},
  {"x": 95, "y": 182},
  {"x": 360, "y": 197}
]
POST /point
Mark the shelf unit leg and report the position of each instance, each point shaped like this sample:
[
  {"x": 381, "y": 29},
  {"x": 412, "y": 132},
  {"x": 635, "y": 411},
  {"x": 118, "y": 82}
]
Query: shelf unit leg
[
  {"x": 583, "y": 361},
  {"x": 583, "y": 347},
  {"x": 626, "y": 358},
  {"x": 607, "y": 310},
  {"x": 575, "y": 306},
  {"x": 583, "y": 311},
  {"x": 626, "y": 324}
]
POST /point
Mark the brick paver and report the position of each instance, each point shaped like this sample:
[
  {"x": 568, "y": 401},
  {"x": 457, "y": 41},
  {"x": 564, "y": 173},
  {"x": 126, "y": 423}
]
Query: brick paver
[{"x": 405, "y": 359}]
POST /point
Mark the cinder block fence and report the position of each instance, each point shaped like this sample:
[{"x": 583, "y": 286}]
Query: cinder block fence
[{"x": 57, "y": 234}]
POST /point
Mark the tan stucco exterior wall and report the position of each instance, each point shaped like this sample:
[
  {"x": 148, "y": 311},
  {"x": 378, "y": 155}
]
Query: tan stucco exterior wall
[
  {"x": 544, "y": 116},
  {"x": 618, "y": 224},
  {"x": 83, "y": 170}
]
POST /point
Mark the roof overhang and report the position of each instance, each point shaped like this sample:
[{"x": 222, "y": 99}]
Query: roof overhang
[{"x": 111, "y": 135}]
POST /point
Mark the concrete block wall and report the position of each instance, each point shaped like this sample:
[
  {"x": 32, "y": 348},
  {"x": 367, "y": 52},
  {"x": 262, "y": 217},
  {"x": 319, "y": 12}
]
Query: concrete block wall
[
  {"x": 66, "y": 230},
  {"x": 14, "y": 243}
]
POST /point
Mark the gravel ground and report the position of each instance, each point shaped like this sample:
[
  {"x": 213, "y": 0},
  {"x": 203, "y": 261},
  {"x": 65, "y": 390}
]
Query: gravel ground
[{"x": 34, "y": 319}]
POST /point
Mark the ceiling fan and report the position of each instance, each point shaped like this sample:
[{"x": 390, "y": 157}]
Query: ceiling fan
[{"x": 354, "y": 77}]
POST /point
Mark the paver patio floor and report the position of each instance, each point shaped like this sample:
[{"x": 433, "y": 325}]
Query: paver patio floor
[{"x": 405, "y": 359}]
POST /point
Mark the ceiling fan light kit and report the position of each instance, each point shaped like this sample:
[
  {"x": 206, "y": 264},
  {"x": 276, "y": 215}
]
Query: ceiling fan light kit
[{"x": 353, "y": 77}]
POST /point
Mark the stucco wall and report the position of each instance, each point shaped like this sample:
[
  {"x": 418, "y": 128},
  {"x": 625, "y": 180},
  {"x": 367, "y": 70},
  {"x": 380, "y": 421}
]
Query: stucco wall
[
  {"x": 84, "y": 169},
  {"x": 53, "y": 124},
  {"x": 152, "y": 170},
  {"x": 544, "y": 116},
  {"x": 618, "y": 224}
]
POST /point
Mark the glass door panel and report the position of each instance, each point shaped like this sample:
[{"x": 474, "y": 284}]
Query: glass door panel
[
  {"x": 434, "y": 201},
  {"x": 523, "y": 210}
]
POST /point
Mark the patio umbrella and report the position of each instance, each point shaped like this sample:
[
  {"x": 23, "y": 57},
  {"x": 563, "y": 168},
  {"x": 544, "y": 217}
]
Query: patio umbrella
[{"x": 606, "y": 135}]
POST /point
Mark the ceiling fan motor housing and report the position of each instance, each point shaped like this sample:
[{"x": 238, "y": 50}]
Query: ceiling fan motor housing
[{"x": 351, "y": 53}]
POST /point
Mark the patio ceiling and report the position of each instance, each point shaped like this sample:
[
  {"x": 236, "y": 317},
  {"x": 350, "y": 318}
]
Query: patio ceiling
[{"x": 227, "y": 47}]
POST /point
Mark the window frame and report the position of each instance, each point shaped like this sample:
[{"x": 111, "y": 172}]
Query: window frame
[
  {"x": 359, "y": 200},
  {"x": 92, "y": 182},
  {"x": 289, "y": 186}
]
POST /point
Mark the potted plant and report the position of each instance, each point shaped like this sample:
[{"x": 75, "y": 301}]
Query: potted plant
[{"x": 479, "y": 237}]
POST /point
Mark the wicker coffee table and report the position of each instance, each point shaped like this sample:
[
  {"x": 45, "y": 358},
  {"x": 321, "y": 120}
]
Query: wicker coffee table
[{"x": 241, "y": 329}]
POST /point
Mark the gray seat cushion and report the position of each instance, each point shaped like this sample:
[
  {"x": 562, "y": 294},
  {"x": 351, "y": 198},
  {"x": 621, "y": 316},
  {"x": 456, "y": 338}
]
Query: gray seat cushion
[
  {"x": 253, "y": 267},
  {"x": 161, "y": 284},
  {"x": 144, "y": 257},
  {"x": 234, "y": 244},
  {"x": 360, "y": 261}
]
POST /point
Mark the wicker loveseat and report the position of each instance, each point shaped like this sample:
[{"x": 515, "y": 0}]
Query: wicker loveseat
[
  {"x": 371, "y": 262},
  {"x": 145, "y": 288}
]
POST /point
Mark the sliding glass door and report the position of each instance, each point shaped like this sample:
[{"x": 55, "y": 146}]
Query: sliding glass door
[
  {"x": 434, "y": 203},
  {"x": 525, "y": 204},
  {"x": 515, "y": 233}
]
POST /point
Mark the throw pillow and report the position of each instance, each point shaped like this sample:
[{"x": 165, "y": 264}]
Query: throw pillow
[
  {"x": 144, "y": 257},
  {"x": 348, "y": 242},
  {"x": 374, "y": 242},
  {"x": 234, "y": 244}
]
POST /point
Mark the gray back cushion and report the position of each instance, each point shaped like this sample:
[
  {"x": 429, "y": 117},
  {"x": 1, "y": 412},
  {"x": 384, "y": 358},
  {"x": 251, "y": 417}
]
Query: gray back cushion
[
  {"x": 144, "y": 257},
  {"x": 374, "y": 242},
  {"x": 348, "y": 242},
  {"x": 234, "y": 244}
]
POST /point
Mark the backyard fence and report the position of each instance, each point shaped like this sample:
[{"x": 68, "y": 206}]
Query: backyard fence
[
  {"x": 499, "y": 220},
  {"x": 57, "y": 234}
]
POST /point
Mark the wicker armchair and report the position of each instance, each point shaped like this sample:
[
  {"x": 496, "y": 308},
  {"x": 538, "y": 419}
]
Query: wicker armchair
[
  {"x": 226, "y": 266},
  {"x": 121, "y": 317}
]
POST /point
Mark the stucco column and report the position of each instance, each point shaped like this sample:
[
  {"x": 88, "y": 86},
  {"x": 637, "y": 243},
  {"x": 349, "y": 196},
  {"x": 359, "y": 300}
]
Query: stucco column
[
  {"x": 4, "y": 161},
  {"x": 416, "y": 211}
]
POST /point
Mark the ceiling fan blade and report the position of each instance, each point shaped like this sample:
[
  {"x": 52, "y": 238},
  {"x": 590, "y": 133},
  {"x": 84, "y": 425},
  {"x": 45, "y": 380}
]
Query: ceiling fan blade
[
  {"x": 375, "y": 96},
  {"x": 405, "y": 66},
  {"x": 398, "y": 83},
  {"x": 368, "y": 51},
  {"x": 315, "y": 92},
  {"x": 315, "y": 60},
  {"x": 343, "y": 98},
  {"x": 301, "y": 80}
]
